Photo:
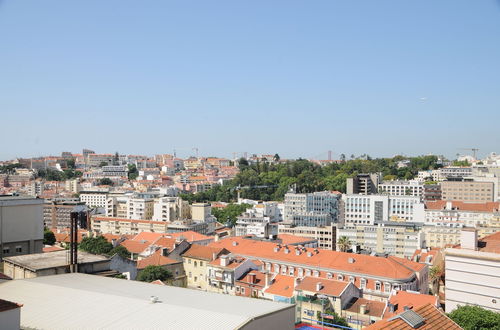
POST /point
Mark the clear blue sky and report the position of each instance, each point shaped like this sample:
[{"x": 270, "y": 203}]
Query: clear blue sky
[{"x": 294, "y": 77}]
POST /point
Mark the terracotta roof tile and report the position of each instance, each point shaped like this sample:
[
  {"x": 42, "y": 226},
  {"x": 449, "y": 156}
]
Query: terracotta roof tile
[
  {"x": 282, "y": 285},
  {"x": 202, "y": 252},
  {"x": 402, "y": 299},
  {"x": 433, "y": 319},
  {"x": 134, "y": 246},
  {"x": 462, "y": 206},
  {"x": 373, "y": 308},
  {"x": 6, "y": 305},
  {"x": 328, "y": 287},
  {"x": 156, "y": 259}
]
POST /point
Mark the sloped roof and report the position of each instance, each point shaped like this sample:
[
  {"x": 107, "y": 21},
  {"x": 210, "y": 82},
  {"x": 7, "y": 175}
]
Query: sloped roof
[
  {"x": 462, "y": 206},
  {"x": 282, "y": 285},
  {"x": 328, "y": 287},
  {"x": 391, "y": 267},
  {"x": 156, "y": 259},
  {"x": 433, "y": 319},
  {"x": 373, "y": 308},
  {"x": 411, "y": 300},
  {"x": 202, "y": 252},
  {"x": 6, "y": 305},
  {"x": 135, "y": 246}
]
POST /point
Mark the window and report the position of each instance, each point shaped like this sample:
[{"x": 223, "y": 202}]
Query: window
[
  {"x": 362, "y": 284},
  {"x": 242, "y": 290},
  {"x": 237, "y": 289},
  {"x": 6, "y": 250},
  {"x": 329, "y": 275},
  {"x": 195, "y": 264},
  {"x": 190, "y": 275},
  {"x": 351, "y": 279},
  {"x": 201, "y": 263},
  {"x": 189, "y": 261},
  {"x": 340, "y": 277},
  {"x": 387, "y": 287},
  {"x": 196, "y": 279},
  {"x": 377, "y": 286}
]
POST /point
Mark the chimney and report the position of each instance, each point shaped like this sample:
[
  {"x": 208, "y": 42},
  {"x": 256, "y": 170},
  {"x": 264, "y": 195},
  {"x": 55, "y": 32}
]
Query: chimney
[
  {"x": 235, "y": 243},
  {"x": 297, "y": 252},
  {"x": 468, "y": 238},
  {"x": 214, "y": 256},
  {"x": 224, "y": 261},
  {"x": 351, "y": 260},
  {"x": 252, "y": 278},
  {"x": 287, "y": 250},
  {"x": 319, "y": 286},
  {"x": 276, "y": 248},
  {"x": 309, "y": 254},
  {"x": 362, "y": 309},
  {"x": 268, "y": 279}
]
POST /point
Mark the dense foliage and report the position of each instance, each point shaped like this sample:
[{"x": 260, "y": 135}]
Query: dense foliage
[
  {"x": 10, "y": 168},
  {"x": 106, "y": 182},
  {"x": 121, "y": 251},
  {"x": 55, "y": 175},
  {"x": 264, "y": 181},
  {"x": 335, "y": 318},
  {"x": 152, "y": 273},
  {"x": 96, "y": 245},
  {"x": 228, "y": 214},
  {"x": 48, "y": 237},
  {"x": 133, "y": 173},
  {"x": 475, "y": 318}
]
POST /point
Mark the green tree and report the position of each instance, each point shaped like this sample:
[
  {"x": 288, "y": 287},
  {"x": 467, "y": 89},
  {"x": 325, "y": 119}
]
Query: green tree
[
  {"x": 121, "y": 251},
  {"x": 96, "y": 245},
  {"x": 228, "y": 214},
  {"x": 48, "y": 237},
  {"x": 133, "y": 173},
  {"x": 336, "y": 319},
  {"x": 152, "y": 273},
  {"x": 101, "y": 164},
  {"x": 106, "y": 182},
  {"x": 70, "y": 163},
  {"x": 276, "y": 158},
  {"x": 344, "y": 243},
  {"x": 475, "y": 318}
]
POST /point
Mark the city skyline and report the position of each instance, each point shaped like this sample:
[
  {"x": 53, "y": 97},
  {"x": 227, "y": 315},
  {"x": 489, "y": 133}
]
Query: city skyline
[{"x": 354, "y": 77}]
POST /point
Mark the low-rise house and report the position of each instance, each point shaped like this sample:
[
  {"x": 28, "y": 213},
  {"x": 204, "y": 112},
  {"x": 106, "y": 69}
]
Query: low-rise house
[
  {"x": 252, "y": 284},
  {"x": 173, "y": 266},
  {"x": 361, "y": 312},
  {"x": 318, "y": 296},
  {"x": 195, "y": 261},
  {"x": 223, "y": 272},
  {"x": 43, "y": 264},
  {"x": 281, "y": 288}
]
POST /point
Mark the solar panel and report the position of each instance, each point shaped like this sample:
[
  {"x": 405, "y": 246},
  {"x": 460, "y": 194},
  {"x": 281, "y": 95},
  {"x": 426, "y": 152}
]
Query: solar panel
[{"x": 412, "y": 318}]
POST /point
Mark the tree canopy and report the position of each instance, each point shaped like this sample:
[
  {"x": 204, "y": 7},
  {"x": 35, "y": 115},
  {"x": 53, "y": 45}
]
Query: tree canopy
[
  {"x": 55, "y": 175},
  {"x": 133, "y": 173},
  {"x": 48, "y": 237},
  {"x": 106, "y": 182},
  {"x": 152, "y": 273},
  {"x": 228, "y": 214},
  {"x": 121, "y": 251},
  {"x": 475, "y": 318},
  {"x": 96, "y": 245},
  {"x": 274, "y": 180}
]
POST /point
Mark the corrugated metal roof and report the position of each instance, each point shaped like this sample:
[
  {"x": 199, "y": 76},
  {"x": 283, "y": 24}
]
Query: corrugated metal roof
[{"x": 80, "y": 301}]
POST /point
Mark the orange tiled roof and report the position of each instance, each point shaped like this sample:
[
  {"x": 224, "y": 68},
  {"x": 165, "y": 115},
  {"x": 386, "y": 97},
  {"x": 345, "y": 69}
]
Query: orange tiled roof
[
  {"x": 490, "y": 243},
  {"x": 52, "y": 249},
  {"x": 158, "y": 282},
  {"x": 233, "y": 262},
  {"x": 328, "y": 287},
  {"x": 423, "y": 255},
  {"x": 156, "y": 259},
  {"x": 148, "y": 236},
  {"x": 391, "y": 267},
  {"x": 402, "y": 299},
  {"x": 433, "y": 319},
  {"x": 260, "y": 278},
  {"x": 134, "y": 246},
  {"x": 110, "y": 219},
  {"x": 202, "y": 252},
  {"x": 372, "y": 307},
  {"x": 282, "y": 285},
  {"x": 475, "y": 207},
  {"x": 6, "y": 305},
  {"x": 190, "y": 236}
]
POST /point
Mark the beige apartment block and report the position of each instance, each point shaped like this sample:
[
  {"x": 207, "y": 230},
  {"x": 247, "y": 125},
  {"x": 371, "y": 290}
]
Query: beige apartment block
[
  {"x": 468, "y": 191},
  {"x": 121, "y": 226},
  {"x": 326, "y": 236},
  {"x": 195, "y": 262}
]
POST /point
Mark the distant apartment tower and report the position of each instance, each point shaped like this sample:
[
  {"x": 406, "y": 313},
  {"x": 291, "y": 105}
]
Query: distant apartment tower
[
  {"x": 468, "y": 191},
  {"x": 364, "y": 184},
  {"x": 312, "y": 209},
  {"x": 94, "y": 198},
  {"x": 57, "y": 212},
  {"x": 371, "y": 209},
  {"x": 455, "y": 172},
  {"x": 326, "y": 235},
  {"x": 432, "y": 192},
  {"x": 21, "y": 225}
]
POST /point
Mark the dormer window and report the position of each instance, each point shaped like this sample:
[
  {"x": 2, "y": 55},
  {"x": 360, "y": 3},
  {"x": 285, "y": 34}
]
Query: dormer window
[
  {"x": 315, "y": 273},
  {"x": 352, "y": 279},
  {"x": 329, "y": 275},
  {"x": 378, "y": 286},
  {"x": 340, "y": 277}
]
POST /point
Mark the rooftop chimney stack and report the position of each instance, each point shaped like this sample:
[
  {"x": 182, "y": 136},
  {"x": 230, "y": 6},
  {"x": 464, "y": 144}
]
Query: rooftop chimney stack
[
  {"x": 319, "y": 286},
  {"x": 468, "y": 238}
]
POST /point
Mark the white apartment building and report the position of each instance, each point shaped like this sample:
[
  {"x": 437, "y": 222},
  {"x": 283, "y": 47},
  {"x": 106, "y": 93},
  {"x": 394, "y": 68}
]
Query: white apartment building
[
  {"x": 444, "y": 220},
  {"x": 455, "y": 172},
  {"x": 430, "y": 175},
  {"x": 95, "y": 198},
  {"x": 313, "y": 209},
  {"x": 472, "y": 272},
  {"x": 394, "y": 239},
  {"x": 401, "y": 188},
  {"x": 371, "y": 209},
  {"x": 170, "y": 209}
]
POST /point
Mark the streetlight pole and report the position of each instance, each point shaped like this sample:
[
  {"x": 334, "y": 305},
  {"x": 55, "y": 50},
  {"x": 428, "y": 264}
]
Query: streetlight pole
[{"x": 322, "y": 297}]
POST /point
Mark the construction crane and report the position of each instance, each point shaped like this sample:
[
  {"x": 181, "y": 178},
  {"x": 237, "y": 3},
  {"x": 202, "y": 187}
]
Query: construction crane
[
  {"x": 240, "y": 188},
  {"x": 474, "y": 151}
]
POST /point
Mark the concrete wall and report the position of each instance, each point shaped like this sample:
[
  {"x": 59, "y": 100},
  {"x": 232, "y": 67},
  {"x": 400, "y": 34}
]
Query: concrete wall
[
  {"x": 472, "y": 278},
  {"x": 124, "y": 265},
  {"x": 21, "y": 224},
  {"x": 284, "y": 319},
  {"x": 11, "y": 319}
]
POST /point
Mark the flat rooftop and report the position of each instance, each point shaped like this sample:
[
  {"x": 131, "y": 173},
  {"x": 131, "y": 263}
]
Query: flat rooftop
[
  {"x": 71, "y": 301},
  {"x": 39, "y": 261}
]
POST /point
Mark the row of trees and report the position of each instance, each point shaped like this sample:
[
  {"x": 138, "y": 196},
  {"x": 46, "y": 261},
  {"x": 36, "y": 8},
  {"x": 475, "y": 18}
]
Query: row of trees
[
  {"x": 50, "y": 174},
  {"x": 274, "y": 180}
]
